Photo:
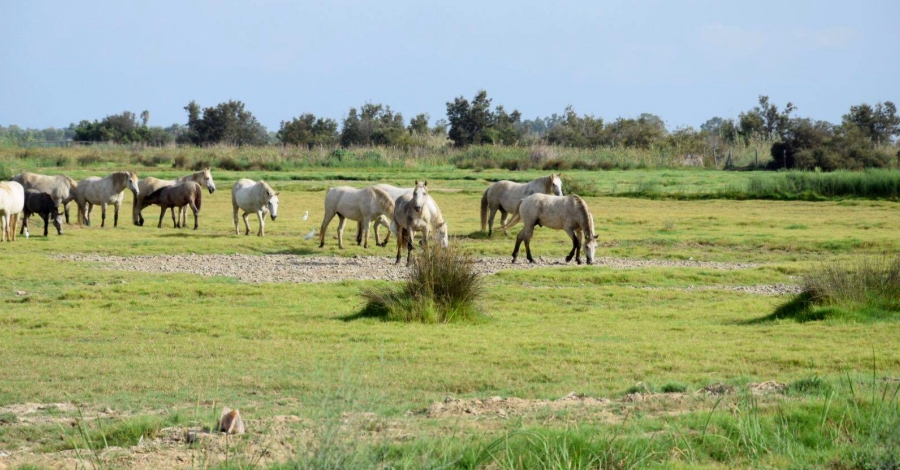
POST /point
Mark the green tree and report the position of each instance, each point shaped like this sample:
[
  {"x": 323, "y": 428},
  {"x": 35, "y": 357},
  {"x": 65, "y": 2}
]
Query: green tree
[
  {"x": 309, "y": 131},
  {"x": 227, "y": 123},
  {"x": 475, "y": 123},
  {"x": 879, "y": 124}
]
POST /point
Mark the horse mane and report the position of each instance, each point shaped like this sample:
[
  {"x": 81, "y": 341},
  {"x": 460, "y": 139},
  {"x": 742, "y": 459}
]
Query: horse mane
[
  {"x": 383, "y": 199},
  {"x": 72, "y": 183},
  {"x": 587, "y": 222},
  {"x": 269, "y": 191}
]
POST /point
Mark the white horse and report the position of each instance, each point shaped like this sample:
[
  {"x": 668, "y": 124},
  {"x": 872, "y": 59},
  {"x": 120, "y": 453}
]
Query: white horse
[
  {"x": 60, "y": 187},
  {"x": 505, "y": 196},
  {"x": 394, "y": 192},
  {"x": 12, "y": 203},
  {"x": 250, "y": 196},
  {"x": 150, "y": 184},
  {"x": 417, "y": 212},
  {"x": 107, "y": 190},
  {"x": 569, "y": 213},
  {"x": 361, "y": 205}
]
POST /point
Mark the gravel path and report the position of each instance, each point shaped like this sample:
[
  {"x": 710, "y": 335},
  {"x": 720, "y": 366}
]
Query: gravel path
[{"x": 292, "y": 268}]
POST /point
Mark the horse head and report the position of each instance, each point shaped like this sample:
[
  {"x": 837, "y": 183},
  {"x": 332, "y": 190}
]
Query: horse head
[
  {"x": 272, "y": 205},
  {"x": 556, "y": 185},
  {"x": 132, "y": 182},
  {"x": 590, "y": 247},
  {"x": 420, "y": 195},
  {"x": 207, "y": 177}
]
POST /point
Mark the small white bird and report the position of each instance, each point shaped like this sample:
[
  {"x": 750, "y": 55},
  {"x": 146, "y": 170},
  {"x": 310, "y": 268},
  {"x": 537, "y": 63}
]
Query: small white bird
[
  {"x": 305, "y": 215},
  {"x": 310, "y": 234}
]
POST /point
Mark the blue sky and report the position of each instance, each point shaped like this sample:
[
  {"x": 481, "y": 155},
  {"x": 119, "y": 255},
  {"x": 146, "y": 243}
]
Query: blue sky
[{"x": 686, "y": 61}]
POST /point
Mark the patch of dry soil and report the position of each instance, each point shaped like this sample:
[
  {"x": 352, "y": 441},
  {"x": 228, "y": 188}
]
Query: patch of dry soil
[{"x": 293, "y": 268}]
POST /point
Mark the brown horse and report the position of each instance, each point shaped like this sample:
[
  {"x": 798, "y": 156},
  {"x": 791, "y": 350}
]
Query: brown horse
[{"x": 188, "y": 193}]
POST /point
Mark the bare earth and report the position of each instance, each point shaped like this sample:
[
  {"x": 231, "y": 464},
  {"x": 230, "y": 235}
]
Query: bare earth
[{"x": 293, "y": 268}]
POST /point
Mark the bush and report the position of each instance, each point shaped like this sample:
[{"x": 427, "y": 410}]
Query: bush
[
  {"x": 5, "y": 174},
  {"x": 442, "y": 286},
  {"x": 579, "y": 186}
]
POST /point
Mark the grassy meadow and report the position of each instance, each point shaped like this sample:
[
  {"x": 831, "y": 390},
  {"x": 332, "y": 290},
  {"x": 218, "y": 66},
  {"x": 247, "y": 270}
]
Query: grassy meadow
[{"x": 168, "y": 350}]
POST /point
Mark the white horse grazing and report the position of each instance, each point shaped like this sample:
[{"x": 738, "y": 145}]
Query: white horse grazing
[
  {"x": 505, "y": 196},
  {"x": 361, "y": 205},
  {"x": 569, "y": 213},
  {"x": 251, "y": 196},
  {"x": 108, "y": 190},
  {"x": 12, "y": 203},
  {"x": 417, "y": 212},
  {"x": 150, "y": 184},
  {"x": 60, "y": 187}
]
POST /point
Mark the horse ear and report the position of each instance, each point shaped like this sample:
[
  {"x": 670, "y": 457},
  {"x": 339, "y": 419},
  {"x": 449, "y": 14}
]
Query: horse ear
[{"x": 277, "y": 192}]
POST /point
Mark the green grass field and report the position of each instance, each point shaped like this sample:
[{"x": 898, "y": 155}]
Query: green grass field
[{"x": 153, "y": 345}]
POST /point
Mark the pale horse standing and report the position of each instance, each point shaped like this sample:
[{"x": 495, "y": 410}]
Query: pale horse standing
[
  {"x": 417, "y": 212},
  {"x": 361, "y": 205},
  {"x": 394, "y": 192},
  {"x": 250, "y": 196},
  {"x": 60, "y": 187},
  {"x": 12, "y": 203},
  {"x": 150, "y": 184},
  {"x": 505, "y": 196},
  {"x": 569, "y": 213},
  {"x": 94, "y": 190}
]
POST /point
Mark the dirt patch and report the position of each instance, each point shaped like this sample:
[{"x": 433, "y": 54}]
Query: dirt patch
[{"x": 292, "y": 268}]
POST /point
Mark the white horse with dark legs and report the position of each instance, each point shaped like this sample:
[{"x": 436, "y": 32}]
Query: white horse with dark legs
[
  {"x": 150, "y": 184},
  {"x": 361, "y": 205},
  {"x": 104, "y": 191},
  {"x": 12, "y": 203},
  {"x": 417, "y": 212},
  {"x": 504, "y": 196},
  {"x": 250, "y": 196},
  {"x": 569, "y": 213},
  {"x": 60, "y": 187},
  {"x": 394, "y": 192}
]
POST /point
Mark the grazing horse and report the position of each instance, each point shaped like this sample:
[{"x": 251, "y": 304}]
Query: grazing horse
[
  {"x": 251, "y": 196},
  {"x": 505, "y": 196},
  {"x": 361, "y": 205},
  {"x": 417, "y": 212},
  {"x": 150, "y": 184},
  {"x": 108, "y": 190},
  {"x": 569, "y": 213},
  {"x": 187, "y": 194},
  {"x": 43, "y": 205},
  {"x": 12, "y": 202},
  {"x": 60, "y": 187}
]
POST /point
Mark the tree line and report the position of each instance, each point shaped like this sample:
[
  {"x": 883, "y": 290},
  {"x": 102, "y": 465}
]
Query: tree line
[{"x": 862, "y": 139}]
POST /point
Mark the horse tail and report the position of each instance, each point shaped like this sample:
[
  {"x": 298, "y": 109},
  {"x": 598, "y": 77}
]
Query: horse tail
[
  {"x": 13, "y": 222},
  {"x": 516, "y": 217},
  {"x": 484, "y": 210},
  {"x": 198, "y": 196},
  {"x": 80, "y": 203},
  {"x": 384, "y": 200}
]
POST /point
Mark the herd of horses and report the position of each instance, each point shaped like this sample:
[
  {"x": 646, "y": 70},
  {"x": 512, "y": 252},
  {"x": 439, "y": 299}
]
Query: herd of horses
[{"x": 404, "y": 211}]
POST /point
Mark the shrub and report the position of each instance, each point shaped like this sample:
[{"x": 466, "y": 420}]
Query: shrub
[
  {"x": 442, "y": 286},
  {"x": 5, "y": 174},
  {"x": 579, "y": 186},
  {"x": 89, "y": 159}
]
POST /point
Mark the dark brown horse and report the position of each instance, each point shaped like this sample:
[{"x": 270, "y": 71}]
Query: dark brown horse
[
  {"x": 42, "y": 204},
  {"x": 188, "y": 193}
]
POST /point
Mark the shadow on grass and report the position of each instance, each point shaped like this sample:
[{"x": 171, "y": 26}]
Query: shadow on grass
[
  {"x": 370, "y": 311},
  {"x": 802, "y": 309}
]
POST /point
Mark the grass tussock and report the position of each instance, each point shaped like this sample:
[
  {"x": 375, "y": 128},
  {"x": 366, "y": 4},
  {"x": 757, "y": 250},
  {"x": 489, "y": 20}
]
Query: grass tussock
[
  {"x": 442, "y": 286},
  {"x": 865, "y": 289}
]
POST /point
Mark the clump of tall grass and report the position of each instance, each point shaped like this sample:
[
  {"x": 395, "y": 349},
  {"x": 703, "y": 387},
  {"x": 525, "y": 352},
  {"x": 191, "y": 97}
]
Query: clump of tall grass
[
  {"x": 581, "y": 186},
  {"x": 866, "y": 289},
  {"x": 874, "y": 183},
  {"x": 442, "y": 286}
]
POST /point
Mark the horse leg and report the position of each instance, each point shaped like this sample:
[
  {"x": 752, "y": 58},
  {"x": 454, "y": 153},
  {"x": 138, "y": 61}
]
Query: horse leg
[
  {"x": 234, "y": 216},
  {"x": 46, "y": 217},
  {"x": 359, "y": 233},
  {"x": 66, "y": 211},
  {"x": 400, "y": 234},
  {"x": 25, "y": 215},
  {"x": 116, "y": 214},
  {"x": 409, "y": 245},
  {"x": 4, "y": 222},
  {"x": 175, "y": 221},
  {"x": 196, "y": 212},
  {"x": 341, "y": 221},
  {"x": 325, "y": 221},
  {"x": 365, "y": 232},
  {"x": 246, "y": 223},
  {"x": 102, "y": 215},
  {"x": 262, "y": 223},
  {"x": 503, "y": 215},
  {"x": 491, "y": 222},
  {"x": 87, "y": 213},
  {"x": 162, "y": 215},
  {"x": 576, "y": 246}
]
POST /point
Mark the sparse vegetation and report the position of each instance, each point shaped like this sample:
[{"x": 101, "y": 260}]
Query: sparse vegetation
[{"x": 442, "y": 286}]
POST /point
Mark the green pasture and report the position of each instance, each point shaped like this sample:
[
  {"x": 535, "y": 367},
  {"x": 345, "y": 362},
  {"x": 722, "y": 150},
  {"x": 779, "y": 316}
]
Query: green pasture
[{"x": 148, "y": 343}]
